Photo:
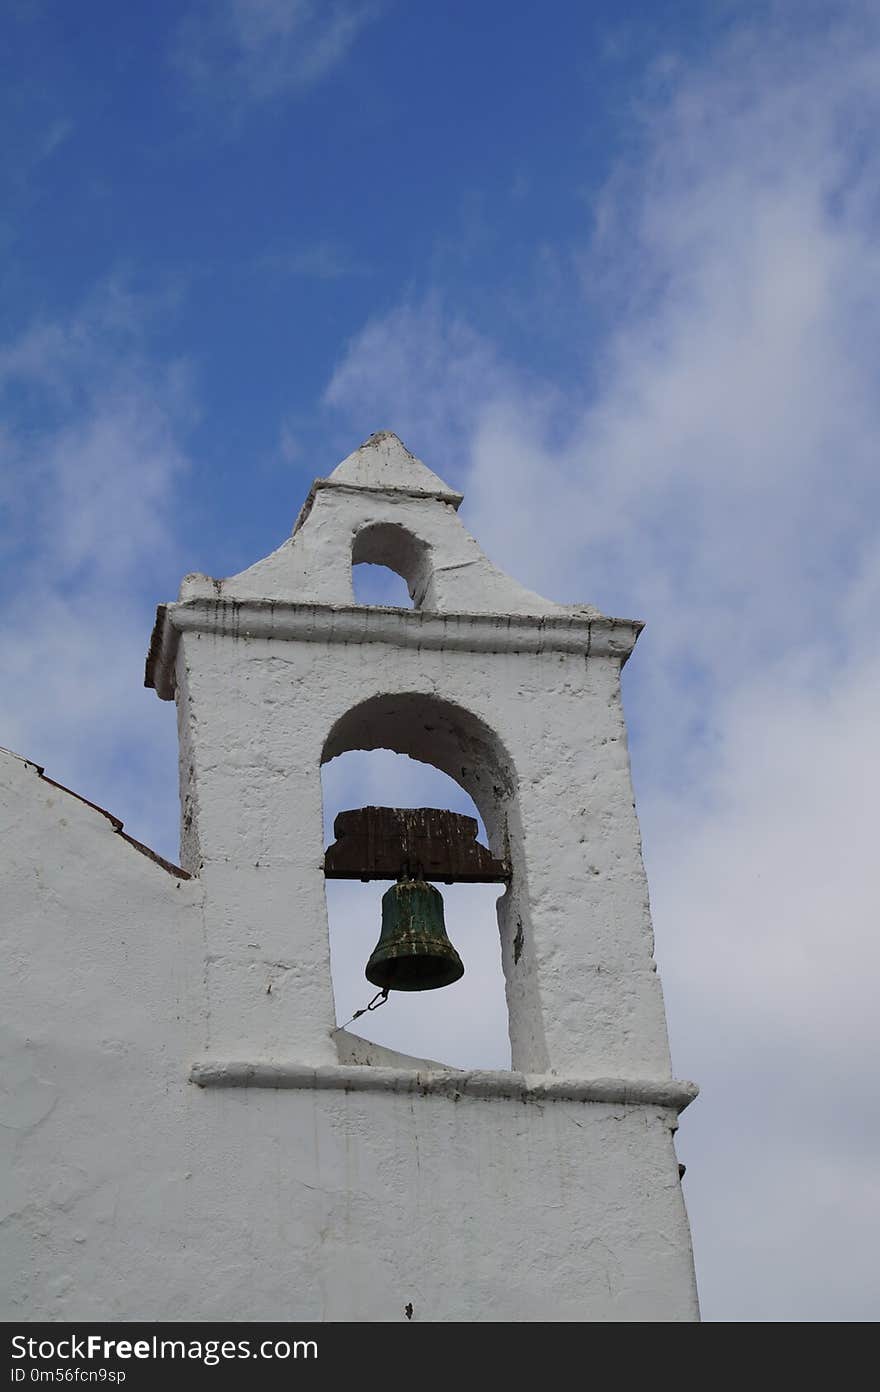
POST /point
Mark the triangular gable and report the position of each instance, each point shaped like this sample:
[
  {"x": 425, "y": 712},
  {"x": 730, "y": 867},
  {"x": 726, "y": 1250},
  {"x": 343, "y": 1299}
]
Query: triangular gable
[{"x": 384, "y": 462}]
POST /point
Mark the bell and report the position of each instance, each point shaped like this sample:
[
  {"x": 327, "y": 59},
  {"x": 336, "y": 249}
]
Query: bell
[{"x": 413, "y": 952}]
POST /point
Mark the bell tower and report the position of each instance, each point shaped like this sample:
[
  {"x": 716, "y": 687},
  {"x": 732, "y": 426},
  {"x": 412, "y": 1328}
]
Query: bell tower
[{"x": 547, "y": 1192}]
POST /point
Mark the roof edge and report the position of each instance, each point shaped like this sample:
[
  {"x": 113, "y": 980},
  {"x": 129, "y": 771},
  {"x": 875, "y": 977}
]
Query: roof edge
[{"x": 176, "y": 870}]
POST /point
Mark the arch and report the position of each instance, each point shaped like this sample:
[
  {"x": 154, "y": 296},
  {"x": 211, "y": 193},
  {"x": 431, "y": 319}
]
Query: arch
[
  {"x": 462, "y": 745},
  {"x": 389, "y": 544},
  {"x": 465, "y": 1025},
  {"x": 452, "y": 739}
]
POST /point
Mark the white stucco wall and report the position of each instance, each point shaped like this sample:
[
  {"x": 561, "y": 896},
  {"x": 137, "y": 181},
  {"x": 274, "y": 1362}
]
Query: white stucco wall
[
  {"x": 585, "y": 998},
  {"x": 185, "y": 1142}
]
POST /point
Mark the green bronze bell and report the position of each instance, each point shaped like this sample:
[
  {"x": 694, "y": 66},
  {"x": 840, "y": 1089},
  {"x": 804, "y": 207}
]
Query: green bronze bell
[{"x": 413, "y": 952}]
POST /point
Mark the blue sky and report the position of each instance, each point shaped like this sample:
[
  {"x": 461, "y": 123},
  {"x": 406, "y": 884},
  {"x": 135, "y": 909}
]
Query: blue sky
[{"x": 612, "y": 270}]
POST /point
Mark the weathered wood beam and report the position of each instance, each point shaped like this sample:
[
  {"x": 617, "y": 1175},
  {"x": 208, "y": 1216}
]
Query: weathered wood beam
[{"x": 385, "y": 843}]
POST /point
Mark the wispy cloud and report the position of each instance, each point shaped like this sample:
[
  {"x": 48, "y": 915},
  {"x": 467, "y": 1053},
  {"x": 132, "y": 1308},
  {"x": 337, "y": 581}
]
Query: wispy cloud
[
  {"x": 246, "y": 52},
  {"x": 323, "y": 260},
  {"x": 722, "y": 482},
  {"x": 425, "y": 370},
  {"x": 91, "y": 453},
  {"x": 59, "y": 132}
]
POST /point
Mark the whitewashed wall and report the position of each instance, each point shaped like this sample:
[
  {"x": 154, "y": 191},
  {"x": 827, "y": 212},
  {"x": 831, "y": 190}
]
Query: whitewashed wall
[{"x": 188, "y": 1138}]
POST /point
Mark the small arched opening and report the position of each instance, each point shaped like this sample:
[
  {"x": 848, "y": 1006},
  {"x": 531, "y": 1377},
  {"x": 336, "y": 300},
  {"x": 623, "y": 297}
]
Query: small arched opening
[
  {"x": 390, "y": 566},
  {"x": 416, "y": 751}
]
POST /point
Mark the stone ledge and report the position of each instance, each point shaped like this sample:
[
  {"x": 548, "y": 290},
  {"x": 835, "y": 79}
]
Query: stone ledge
[
  {"x": 451, "y": 1083},
  {"x": 406, "y": 628},
  {"x": 392, "y": 491}
]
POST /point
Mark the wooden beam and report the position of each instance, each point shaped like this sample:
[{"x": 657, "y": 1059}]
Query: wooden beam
[{"x": 388, "y": 843}]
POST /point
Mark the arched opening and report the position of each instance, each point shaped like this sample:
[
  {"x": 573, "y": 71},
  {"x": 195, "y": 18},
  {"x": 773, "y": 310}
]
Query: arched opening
[
  {"x": 390, "y": 566},
  {"x": 441, "y": 734},
  {"x": 380, "y": 586},
  {"x": 415, "y": 751}
]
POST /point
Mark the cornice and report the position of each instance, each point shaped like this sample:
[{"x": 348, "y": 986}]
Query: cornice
[{"x": 401, "y": 628}]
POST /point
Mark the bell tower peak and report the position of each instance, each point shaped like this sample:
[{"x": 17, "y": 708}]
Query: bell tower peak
[
  {"x": 381, "y": 506},
  {"x": 383, "y": 463}
]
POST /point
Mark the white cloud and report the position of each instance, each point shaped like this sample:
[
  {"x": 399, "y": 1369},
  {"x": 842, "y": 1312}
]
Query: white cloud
[
  {"x": 423, "y": 372},
  {"x": 721, "y": 481},
  {"x": 289, "y": 448},
  {"x": 765, "y": 909},
  {"x": 252, "y": 51},
  {"x": 90, "y": 457}
]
